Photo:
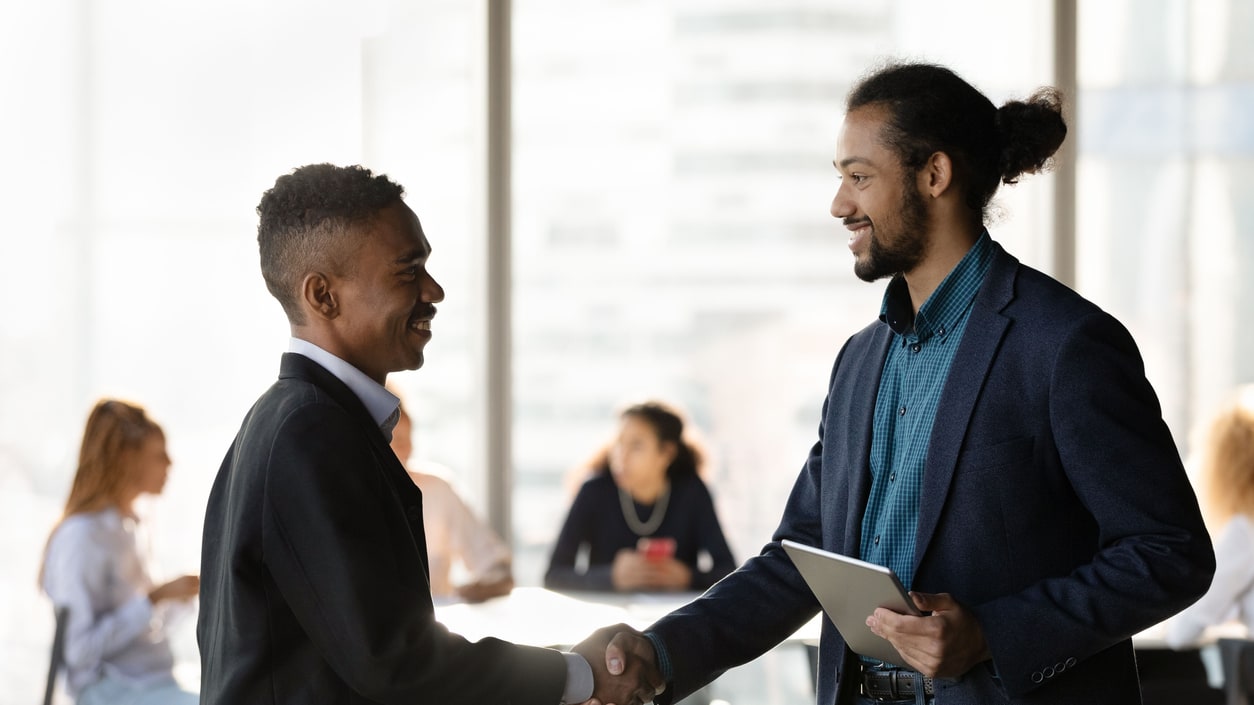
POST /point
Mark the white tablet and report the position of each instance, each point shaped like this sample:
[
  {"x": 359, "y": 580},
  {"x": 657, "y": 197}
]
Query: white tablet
[{"x": 849, "y": 591}]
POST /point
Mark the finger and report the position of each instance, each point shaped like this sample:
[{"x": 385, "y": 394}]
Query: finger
[
  {"x": 874, "y": 625},
  {"x": 615, "y": 657},
  {"x": 933, "y": 602}
]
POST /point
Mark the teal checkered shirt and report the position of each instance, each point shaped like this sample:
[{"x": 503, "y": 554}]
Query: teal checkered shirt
[{"x": 914, "y": 375}]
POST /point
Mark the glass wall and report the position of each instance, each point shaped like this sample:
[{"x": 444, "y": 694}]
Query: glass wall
[
  {"x": 673, "y": 174},
  {"x": 1165, "y": 230},
  {"x": 671, "y": 237},
  {"x": 138, "y": 138}
]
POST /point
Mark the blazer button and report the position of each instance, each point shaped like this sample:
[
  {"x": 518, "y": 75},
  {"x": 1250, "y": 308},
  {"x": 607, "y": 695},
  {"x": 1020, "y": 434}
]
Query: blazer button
[
  {"x": 414, "y": 514},
  {"x": 1037, "y": 677},
  {"x": 1049, "y": 672},
  {"x": 1071, "y": 662},
  {"x": 1060, "y": 667}
]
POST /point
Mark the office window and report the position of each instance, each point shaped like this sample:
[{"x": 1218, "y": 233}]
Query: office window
[
  {"x": 1166, "y": 190},
  {"x": 672, "y": 180},
  {"x": 142, "y": 135}
]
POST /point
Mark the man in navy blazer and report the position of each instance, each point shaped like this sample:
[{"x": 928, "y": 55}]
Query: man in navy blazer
[
  {"x": 992, "y": 438},
  {"x": 314, "y": 577}
]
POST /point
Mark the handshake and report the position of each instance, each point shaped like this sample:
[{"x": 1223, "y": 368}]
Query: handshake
[{"x": 624, "y": 666}]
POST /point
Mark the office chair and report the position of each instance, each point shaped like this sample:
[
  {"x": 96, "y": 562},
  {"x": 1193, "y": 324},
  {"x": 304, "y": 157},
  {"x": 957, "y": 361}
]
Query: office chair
[
  {"x": 1237, "y": 656},
  {"x": 58, "y": 653}
]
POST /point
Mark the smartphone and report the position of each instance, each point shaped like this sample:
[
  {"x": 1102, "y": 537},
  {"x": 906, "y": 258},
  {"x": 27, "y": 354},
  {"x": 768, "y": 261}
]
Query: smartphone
[{"x": 656, "y": 547}]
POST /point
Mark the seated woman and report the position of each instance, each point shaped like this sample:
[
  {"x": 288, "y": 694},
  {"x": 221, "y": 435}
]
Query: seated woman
[
  {"x": 1228, "y": 487},
  {"x": 645, "y": 517},
  {"x": 454, "y": 534},
  {"x": 116, "y": 647}
]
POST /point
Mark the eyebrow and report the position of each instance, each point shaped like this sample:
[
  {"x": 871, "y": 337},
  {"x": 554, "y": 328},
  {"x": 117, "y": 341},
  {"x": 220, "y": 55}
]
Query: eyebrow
[
  {"x": 849, "y": 161},
  {"x": 416, "y": 255}
]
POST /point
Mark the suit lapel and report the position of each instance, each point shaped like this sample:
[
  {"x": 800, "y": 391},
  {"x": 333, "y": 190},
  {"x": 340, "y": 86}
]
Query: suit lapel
[
  {"x": 298, "y": 366},
  {"x": 866, "y": 385},
  {"x": 983, "y": 335}
]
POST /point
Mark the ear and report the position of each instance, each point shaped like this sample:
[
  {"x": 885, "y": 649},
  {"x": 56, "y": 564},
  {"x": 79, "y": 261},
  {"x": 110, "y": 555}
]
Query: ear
[
  {"x": 318, "y": 296},
  {"x": 937, "y": 174}
]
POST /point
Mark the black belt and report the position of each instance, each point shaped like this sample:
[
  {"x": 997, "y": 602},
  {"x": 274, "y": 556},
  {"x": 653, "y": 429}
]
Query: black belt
[{"x": 894, "y": 684}]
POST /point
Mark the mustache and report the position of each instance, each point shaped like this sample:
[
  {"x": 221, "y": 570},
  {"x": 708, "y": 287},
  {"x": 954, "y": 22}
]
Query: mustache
[
  {"x": 425, "y": 311},
  {"x": 856, "y": 221}
]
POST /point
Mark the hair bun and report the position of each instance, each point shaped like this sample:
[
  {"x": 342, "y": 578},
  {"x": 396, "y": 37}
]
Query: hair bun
[{"x": 1031, "y": 131}]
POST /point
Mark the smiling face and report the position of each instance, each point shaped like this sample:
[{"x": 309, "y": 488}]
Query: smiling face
[
  {"x": 384, "y": 301},
  {"x": 879, "y": 200}
]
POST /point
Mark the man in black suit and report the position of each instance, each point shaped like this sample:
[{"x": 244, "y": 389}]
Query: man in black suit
[
  {"x": 991, "y": 437},
  {"x": 314, "y": 578}
]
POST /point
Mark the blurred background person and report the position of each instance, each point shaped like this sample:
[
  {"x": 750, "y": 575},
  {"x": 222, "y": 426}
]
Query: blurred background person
[
  {"x": 644, "y": 520},
  {"x": 1227, "y": 489},
  {"x": 454, "y": 533},
  {"x": 95, "y": 565}
]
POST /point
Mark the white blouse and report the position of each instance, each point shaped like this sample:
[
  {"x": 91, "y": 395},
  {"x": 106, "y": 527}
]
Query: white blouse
[
  {"x": 1231, "y": 593},
  {"x": 454, "y": 534},
  {"x": 94, "y": 568}
]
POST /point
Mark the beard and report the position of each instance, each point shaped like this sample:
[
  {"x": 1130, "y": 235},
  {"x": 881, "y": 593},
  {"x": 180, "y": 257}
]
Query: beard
[{"x": 902, "y": 243}]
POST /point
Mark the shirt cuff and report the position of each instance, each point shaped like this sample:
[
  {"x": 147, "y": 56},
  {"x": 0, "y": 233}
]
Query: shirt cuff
[
  {"x": 578, "y": 679},
  {"x": 663, "y": 658}
]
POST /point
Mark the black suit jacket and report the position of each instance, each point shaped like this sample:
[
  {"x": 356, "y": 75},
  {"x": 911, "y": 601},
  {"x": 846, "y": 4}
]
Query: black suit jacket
[
  {"x": 1054, "y": 505},
  {"x": 314, "y": 584}
]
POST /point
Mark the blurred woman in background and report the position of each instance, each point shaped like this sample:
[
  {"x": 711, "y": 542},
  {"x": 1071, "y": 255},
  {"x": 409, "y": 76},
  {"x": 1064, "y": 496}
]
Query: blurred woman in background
[
  {"x": 455, "y": 536},
  {"x": 116, "y": 647},
  {"x": 1227, "y": 477},
  {"x": 645, "y": 519}
]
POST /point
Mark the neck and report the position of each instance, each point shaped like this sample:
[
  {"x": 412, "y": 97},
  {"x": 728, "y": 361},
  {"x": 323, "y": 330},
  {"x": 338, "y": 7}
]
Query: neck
[
  {"x": 946, "y": 248},
  {"x": 648, "y": 493},
  {"x": 126, "y": 506}
]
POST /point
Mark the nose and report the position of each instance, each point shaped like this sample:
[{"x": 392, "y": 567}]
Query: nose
[
  {"x": 432, "y": 292},
  {"x": 842, "y": 205}
]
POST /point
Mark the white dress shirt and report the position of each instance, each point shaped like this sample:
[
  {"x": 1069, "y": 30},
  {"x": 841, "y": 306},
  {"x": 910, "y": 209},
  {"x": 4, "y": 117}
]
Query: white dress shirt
[
  {"x": 382, "y": 405},
  {"x": 95, "y": 569}
]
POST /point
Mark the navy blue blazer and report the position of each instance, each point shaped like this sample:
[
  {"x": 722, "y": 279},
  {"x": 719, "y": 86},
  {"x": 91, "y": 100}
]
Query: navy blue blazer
[
  {"x": 1054, "y": 506},
  {"x": 314, "y": 580}
]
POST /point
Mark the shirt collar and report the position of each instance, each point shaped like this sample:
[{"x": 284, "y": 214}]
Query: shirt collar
[
  {"x": 381, "y": 404},
  {"x": 946, "y": 303}
]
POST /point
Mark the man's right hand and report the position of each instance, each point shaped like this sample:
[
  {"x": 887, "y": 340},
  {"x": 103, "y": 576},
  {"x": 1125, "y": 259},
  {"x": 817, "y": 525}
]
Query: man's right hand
[{"x": 624, "y": 667}]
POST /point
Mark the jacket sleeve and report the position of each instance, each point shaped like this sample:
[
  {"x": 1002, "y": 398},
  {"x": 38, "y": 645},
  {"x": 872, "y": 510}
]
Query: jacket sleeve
[
  {"x": 1234, "y": 579},
  {"x": 337, "y": 545},
  {"x": 1153, "y": 556}
]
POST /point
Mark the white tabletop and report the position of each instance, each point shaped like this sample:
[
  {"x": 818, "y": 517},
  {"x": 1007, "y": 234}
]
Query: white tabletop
[{"x": 540, "y": 617}]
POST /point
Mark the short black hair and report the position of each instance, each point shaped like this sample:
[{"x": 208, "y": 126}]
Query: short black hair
[
  {"x": 304, "y": 218},
  {"x": 933, "y": 110}
]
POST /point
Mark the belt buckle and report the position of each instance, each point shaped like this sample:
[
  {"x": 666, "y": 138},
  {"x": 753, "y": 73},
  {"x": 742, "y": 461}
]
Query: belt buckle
[{"x": 875, "y": 681}]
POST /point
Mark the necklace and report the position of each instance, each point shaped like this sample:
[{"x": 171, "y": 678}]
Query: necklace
[{"x": 644, "y": 528}]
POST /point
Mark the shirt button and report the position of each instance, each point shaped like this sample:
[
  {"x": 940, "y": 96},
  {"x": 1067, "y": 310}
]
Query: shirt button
[
  {"x": 892, "y": 477},
  {"x": 916, "y": 347},
  {"x": 877, "y": 540},
  {"x": 901, "y": 411}
]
